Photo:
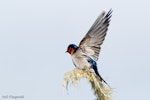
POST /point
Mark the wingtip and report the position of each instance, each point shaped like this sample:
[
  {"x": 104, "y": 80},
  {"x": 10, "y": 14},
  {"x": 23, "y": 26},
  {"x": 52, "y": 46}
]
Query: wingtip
[
  {"x": 106, "y": 14},
  {"x": 110, "y": 12}
]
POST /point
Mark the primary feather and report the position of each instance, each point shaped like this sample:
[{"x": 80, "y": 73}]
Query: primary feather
[{"x": 90, "y": 45}]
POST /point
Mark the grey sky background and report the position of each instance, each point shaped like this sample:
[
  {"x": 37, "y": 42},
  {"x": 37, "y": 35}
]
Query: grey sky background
[{"x": 34, "y": 35}]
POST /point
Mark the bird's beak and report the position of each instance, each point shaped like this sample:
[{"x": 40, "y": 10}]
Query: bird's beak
[{"x": 66, "y": 51}]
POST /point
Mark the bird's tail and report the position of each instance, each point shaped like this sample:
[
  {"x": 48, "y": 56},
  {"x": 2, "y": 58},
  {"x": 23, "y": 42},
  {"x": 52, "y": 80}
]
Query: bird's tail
[{"x": 97, "y": 73}]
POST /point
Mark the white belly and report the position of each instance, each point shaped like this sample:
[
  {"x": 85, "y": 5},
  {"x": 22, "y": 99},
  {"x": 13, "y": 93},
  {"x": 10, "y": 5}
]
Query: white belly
[{"x": 80, "y": 62}]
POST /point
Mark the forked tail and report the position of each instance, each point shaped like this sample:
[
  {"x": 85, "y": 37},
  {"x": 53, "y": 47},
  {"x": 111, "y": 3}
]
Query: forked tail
[{"x": 97, "y": 73}]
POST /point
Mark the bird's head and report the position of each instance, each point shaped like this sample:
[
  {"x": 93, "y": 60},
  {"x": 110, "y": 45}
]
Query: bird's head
[{"x": 72, "y": 49}]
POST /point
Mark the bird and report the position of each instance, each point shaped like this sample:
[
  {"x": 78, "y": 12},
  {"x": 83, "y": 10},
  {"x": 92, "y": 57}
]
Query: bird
[{"x": 87, "y": 53}]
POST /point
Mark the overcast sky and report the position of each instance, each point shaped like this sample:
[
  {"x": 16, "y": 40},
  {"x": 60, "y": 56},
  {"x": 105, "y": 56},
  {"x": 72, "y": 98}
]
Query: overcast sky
[{"x": 34, "y": 35}]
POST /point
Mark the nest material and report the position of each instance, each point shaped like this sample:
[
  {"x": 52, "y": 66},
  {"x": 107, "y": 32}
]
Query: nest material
[{"x": 101, "y": 91}]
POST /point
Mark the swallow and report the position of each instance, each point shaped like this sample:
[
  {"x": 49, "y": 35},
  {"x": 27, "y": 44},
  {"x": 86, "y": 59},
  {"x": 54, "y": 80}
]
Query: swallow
[{"x": 87, "y": 53}]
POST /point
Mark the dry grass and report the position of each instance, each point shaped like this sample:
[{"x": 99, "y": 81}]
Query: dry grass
[{"x": 101, "y": 91}]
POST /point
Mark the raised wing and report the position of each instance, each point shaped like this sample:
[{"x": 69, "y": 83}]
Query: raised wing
[{"x": 90, "y": 44}]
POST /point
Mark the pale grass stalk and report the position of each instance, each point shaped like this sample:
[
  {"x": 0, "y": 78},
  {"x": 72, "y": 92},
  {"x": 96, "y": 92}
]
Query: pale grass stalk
[{"x": 101, "y": 91}]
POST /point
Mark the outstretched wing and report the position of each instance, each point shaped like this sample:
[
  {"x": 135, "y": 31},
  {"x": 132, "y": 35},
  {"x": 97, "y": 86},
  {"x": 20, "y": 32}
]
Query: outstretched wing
[{"x": 90, "y": 45}]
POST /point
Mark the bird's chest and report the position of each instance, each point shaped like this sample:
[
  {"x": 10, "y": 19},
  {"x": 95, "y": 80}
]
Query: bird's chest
[{"x": 80, "y": 62}]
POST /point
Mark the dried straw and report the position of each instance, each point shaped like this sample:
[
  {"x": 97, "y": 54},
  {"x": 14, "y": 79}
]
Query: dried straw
[{"x": 101, "y": 91}]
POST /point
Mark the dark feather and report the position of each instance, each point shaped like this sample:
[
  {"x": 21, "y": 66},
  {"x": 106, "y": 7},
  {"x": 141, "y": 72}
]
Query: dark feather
[{"x": 91, "y": 43}]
